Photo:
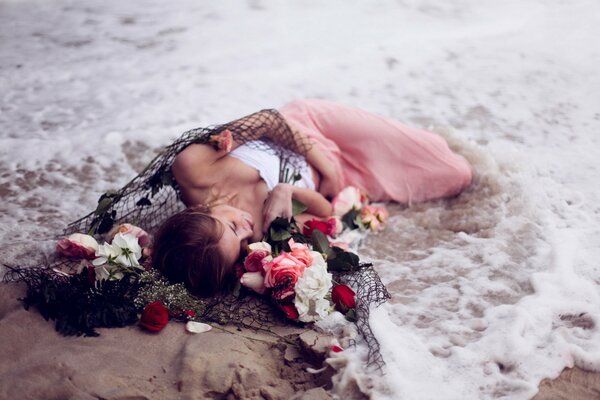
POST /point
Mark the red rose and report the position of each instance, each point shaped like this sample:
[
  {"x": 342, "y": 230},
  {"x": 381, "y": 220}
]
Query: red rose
[
  {"x": 290, "y": 310},
  {"x": 344, "y": 298},
  {"x": 155, "y": 317},
  {"x": 328, "y": 227}
]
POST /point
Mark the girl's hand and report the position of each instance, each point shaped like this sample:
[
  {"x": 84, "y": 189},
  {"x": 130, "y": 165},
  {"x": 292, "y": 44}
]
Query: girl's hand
[
  {"x": 329, "y": 186},
  {"x": 278, "y": 204}
]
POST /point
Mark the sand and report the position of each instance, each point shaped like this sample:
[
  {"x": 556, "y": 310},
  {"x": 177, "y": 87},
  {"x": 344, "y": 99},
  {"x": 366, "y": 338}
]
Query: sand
[{"x": 130, "y": 363}]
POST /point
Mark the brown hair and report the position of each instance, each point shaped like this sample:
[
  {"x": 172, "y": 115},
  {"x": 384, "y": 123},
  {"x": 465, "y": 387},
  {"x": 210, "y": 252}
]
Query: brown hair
[{"x": 185, "y": 250}]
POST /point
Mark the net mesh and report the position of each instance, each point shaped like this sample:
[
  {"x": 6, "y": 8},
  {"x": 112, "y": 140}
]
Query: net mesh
[{"x": 153, "y": 196}]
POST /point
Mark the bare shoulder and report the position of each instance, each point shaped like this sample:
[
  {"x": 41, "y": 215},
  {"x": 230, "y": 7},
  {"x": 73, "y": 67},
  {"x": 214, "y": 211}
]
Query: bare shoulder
[{"x": 195, "y": 165}]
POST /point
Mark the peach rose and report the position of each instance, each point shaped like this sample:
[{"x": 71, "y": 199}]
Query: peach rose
[
  {"x": 301, "y": 252},
  {"x": 282, "y": 273},
  {"x": 78, "y": 245},
  {"x": 222, "y": 141},
  {"x": 373, "y": 217}
]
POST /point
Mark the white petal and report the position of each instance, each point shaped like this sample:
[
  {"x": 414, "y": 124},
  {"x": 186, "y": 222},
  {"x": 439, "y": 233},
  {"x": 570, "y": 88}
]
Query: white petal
[
  {"x": 99, "y": 261},
  {"x": 197, "y": 327}
]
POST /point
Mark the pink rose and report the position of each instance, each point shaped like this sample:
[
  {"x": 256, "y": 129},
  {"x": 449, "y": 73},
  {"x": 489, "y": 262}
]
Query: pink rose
[
  {"x": 301, "y": 252},
  {"x": 254, "y": 260},
  {"x": 254, "y": 281},
  {"x": 222, "y": 141},
  {"x": 140, "y": 234},
  {"x": 282, "y": 273},
  {"x": 348, "y": 199},
  {"x": 78, "y": 245}
]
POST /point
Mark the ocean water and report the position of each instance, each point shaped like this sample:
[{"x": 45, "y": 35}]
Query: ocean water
[{"x": 491, "y": 291}]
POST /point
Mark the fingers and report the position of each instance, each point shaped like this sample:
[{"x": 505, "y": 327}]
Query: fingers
[{"x": 276, "y": 206}]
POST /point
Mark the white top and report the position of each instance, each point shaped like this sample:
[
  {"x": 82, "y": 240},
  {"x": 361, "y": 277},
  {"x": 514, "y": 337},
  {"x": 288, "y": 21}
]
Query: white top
[{"x": 267, "y": 165}]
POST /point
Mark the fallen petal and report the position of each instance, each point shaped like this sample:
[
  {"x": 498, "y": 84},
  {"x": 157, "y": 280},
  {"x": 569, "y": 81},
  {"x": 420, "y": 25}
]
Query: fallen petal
[
  {"x": 197, "y": 327},
  {"x": 316, "y": 371}
]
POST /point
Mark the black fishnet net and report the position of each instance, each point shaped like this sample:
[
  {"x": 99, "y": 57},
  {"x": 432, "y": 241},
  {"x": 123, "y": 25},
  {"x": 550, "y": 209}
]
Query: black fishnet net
[
  {"x": 153, "y": 196},
  {"x": 370, "y": 291}
]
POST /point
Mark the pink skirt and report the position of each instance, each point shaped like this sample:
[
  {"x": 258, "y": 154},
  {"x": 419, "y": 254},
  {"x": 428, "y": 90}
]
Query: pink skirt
[{"x": 388, "y": 160}]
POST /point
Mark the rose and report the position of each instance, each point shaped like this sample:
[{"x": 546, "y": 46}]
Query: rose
[
  {"x": 254, "y": 281},
  {"x": 336, "y": 349},
  {"x": 331, "y": 227},
  {"x": 301, "y": 252},
  {"x": 135, "y": 231},
  {"x": 311, "y": 289},
  {"x": 289, "y": 310},
  {"x": 255, "y": 260},
  {"x": 78, "y": 245},
  {"x": 344, "y": 298},
  {"x": 373, "y": 217},
  {"x": 349, "y": 198},
  {"x": 382, "y": 214},
  {"x": 260, "y": 246},
  {"x": 154, "y": 317},
  {"x": 222, "y": 141},
  {"x": 282, "y": 273}
]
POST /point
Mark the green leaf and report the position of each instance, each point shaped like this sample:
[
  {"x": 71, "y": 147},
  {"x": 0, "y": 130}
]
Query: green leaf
[
  {"x": 351, "y": 315},
  {"x": 107, "y": 222},
  {"x": 279, "y": 235},
  {"x": 341, "y": 260},
  {"x": 298, "y": 207},
  {"x": 349, "y": 219},
  {"x": 320, "y": 242}
]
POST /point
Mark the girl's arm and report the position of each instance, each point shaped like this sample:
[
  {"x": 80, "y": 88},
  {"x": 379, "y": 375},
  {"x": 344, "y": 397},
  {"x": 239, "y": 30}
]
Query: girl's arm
[
  {"x": 267, "y": 126},
  {"x": 279, "y": 203}
]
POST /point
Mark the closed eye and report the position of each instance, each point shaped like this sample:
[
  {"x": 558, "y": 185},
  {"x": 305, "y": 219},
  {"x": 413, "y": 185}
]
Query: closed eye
[{"x": 233, "y": 227}]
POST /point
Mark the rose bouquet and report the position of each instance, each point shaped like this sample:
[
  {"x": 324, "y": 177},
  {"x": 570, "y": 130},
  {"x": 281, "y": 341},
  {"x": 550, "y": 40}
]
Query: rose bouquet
[{"x": 297, "y": 280}]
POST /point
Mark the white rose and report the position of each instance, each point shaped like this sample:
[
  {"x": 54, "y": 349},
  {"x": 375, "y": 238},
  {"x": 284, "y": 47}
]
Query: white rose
[
  {"x": 254, "y": 281},
  {"x": 260, "y": 246},
  {"x": 311, "y": 290},
  {"x": 349, "y": 198}
]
